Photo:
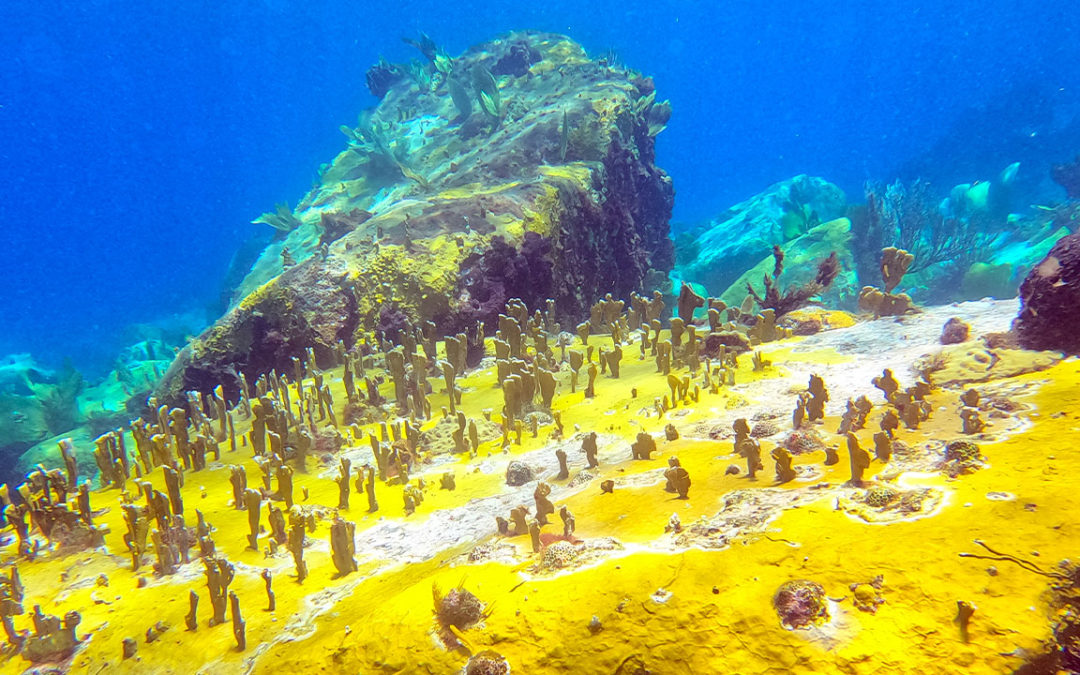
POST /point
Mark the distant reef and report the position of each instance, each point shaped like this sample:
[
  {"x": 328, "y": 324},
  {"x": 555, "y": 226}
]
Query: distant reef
[
  {"x": 521, "y": 168},
  {"x": 965, "y": 243}
]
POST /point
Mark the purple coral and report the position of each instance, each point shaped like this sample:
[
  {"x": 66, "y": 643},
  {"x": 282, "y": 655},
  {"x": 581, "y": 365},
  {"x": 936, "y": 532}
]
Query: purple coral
[
  {"x": 328, "y": 440},
  {"x": 393, "y": 323},
  {"x": 801, "y": 603},
  {"x": 517, "y": 60}
]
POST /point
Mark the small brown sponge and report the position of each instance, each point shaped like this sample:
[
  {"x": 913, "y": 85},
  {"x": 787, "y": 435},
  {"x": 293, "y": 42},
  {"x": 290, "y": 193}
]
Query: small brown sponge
[{"x": 801, "y": 604}]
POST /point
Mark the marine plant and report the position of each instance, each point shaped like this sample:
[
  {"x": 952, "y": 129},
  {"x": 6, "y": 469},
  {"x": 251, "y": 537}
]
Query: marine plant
[
  {"x": 459, "y": 94},
  {"x": 798, "y": 217},
  {"x": 655, "y": 115},
  {"x": 281, "y": 219},
  {"x": 435, "y": 54},
  {"x": 368, "y": 137},
  {"x": 487, "y": 93},
  {"x": 907, "y": 216},
  {"x": 793, "y": 297}
]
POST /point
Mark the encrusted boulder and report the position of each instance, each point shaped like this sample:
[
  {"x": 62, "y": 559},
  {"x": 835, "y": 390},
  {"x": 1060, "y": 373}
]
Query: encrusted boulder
[
  {"x": 954, "y": 332},
  {"x": 35, "y": 403},
  {"x": 521, "y": 168},
  {"x": 1050, "y": 299}
]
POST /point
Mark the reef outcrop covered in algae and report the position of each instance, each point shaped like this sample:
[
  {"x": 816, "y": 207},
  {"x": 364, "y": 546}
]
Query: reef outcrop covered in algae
[{"x": 521, "y": 168}]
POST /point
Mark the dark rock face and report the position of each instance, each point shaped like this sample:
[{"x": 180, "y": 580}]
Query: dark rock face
[
  {"x": 544, "y": 186},
  {"x": 1050, "y": 300}
]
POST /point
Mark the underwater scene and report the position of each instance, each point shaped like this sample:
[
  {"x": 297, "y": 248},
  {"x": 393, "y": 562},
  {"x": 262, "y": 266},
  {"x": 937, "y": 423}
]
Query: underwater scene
[{"x": 488, "y": 338}]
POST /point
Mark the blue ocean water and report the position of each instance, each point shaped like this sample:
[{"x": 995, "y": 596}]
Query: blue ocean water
[{"x": 140, "y": 139}]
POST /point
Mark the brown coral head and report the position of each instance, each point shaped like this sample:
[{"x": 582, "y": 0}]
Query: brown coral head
[
  {"x": 801, "y": 604},
  {"x": 487, "y": 662}
]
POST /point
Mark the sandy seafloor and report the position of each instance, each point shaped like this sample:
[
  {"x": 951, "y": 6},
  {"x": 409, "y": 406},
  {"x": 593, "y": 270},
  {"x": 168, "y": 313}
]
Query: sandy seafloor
[{"x": 632, "y": 595}]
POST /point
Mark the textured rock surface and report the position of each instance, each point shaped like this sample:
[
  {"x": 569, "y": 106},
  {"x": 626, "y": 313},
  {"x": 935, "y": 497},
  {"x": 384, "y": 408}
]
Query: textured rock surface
[
  {"x": 746, "y": 233},
  {"x": 437, "y": 215},
  {"x": 1050, "y": 300}
]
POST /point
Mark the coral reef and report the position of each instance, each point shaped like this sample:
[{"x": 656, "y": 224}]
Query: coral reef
[{"x": 462, "y": 320}]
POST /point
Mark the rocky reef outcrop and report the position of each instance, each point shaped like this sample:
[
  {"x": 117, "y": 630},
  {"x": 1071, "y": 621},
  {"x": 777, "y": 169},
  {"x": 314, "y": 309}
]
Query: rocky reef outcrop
[
  {"x": 521, "y": 168},
  {"x": 1050, "y": 300}
]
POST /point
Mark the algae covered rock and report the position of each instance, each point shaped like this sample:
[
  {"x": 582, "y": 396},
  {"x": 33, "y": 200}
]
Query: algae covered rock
[
  {"x": 746, "y": 233},
  {"x": 521, "y": 168}
]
